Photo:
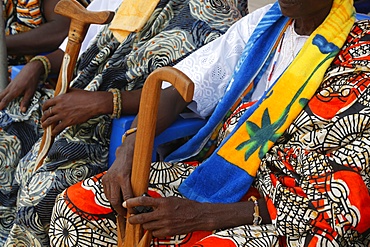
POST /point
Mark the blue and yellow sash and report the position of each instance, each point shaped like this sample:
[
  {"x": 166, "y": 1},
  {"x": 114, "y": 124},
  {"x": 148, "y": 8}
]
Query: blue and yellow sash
[{"x": 228, "y": 173}]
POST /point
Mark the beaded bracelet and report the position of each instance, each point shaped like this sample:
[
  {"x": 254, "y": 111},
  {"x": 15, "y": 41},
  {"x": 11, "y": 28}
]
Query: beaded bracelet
[
  {"x": 46, "y": 63},
  {"x": 117, "y": 102},
  {"x": 257, "y": 219},
  {"x": 128, "y": 132}
]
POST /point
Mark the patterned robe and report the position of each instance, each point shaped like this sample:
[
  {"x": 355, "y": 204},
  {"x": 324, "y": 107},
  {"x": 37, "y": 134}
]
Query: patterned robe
[
  {"x": 175, "y": 29},
  {"x": 315, "y": 179}
]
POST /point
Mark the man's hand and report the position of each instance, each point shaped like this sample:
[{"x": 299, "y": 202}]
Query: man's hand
[
  {"x": 24, "y": 84},
  {"x": 117, "y": 180},
  {"x": 74, "y": 107},
  {"x": 170, "y": 216}
]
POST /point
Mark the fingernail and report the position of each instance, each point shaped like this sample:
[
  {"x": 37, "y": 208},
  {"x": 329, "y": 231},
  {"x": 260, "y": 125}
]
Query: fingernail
[{"x": 124, "y": 204}]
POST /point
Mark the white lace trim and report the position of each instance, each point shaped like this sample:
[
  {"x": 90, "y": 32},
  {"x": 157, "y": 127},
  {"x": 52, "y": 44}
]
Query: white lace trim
[{"x": 211, "y": 67}]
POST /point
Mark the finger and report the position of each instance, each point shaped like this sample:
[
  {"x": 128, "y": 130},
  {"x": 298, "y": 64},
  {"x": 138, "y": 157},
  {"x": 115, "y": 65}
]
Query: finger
[
  {"x": 127, "y": 189},
  {"x": 159, "y": 232},
  {"x": 2, "y": 105},
  {"x": 4, "y": 102},
  {"x": 49, "y": 119},
  {"x": 45, "y": 115},
  {"x": 26, "y": 101},
  {"x": 139, "y": 201},
  {"x": 146, "y": 219},
  {"x": 140, "y": 205},
  {"x": 130, "y": 210},
  {"x": 113, "y": 194},
  {"x": 2, "y": 94},
  {"x": 59, "y": 127},
  {"x": 116, "y": 200},
  {"x": 47, "y": 104},
  {"x": 45, "y": 121}
]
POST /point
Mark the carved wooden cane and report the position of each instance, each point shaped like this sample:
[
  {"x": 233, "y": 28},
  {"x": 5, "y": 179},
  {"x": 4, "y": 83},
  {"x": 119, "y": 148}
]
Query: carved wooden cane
[
  {"x": 80, "y": 22},
  {"x": 147, "y": 119}
]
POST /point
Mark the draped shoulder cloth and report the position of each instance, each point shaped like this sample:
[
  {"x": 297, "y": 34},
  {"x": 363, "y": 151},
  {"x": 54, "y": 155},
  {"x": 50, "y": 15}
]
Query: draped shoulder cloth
[
  {"x": 131, "y": 16},
  {"x": 228, "y": 173}
]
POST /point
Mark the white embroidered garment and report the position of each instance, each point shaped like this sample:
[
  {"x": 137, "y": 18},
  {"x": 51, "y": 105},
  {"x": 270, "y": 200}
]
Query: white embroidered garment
[
  {"x": 211, "y": 67},
  {"x": 290, "y": 45}
]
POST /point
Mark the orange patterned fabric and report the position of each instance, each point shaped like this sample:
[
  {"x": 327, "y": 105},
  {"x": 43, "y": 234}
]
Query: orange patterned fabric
[
  {"x": 317, "y": 175},
  {"x": 315, "y": 179}
]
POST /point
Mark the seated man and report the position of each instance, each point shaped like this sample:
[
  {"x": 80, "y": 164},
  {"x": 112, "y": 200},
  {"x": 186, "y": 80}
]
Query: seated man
[
  {"x": 283, "y": 159},
  {"x": 173, "y": 30}
]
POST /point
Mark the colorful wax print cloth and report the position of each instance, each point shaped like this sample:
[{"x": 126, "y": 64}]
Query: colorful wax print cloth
[
  {"x": 175, "y": 30},
  {"x": 236, "y": 160},
  {"x": 315, "y": 178},
  {"x": 22, "y": 16}
]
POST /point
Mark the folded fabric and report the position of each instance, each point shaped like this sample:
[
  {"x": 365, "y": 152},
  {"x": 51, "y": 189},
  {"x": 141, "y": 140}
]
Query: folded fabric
[
  {"x": 131, "y": 16},
  {"x": 228, "y": 173}
]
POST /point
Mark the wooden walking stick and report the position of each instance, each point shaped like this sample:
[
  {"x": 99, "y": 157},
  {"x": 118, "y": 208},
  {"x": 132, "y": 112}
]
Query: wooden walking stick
[
  {"x": 147, "y": 118},
  {"x": 80, "y": 22}
]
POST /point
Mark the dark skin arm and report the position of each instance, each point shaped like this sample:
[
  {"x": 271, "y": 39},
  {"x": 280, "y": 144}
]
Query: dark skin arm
[
  {"x": 116, "y": 181},
  {"x": 77, "y": 106},
  {"x": 45, "y": 38},
  {"x": 173, "y": 216},
  {"x": 74, "y": 107},
  {"x": 25, "y": 83}
]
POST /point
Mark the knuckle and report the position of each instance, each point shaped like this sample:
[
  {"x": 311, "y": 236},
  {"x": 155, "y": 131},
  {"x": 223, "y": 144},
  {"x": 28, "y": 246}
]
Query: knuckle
[
  {"x": 139, "y": 218},
  {"x": 166, "y": 232},
  {"x": 115, "y": 202},
  {"x": 126, "y": 196},
  {"x": 141, "y": 200},
  {"x": 119, "y": 149},
  {"x": 5, "y": 99}
]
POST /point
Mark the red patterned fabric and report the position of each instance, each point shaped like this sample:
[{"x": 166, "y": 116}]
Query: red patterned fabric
[{"x": 315, "y": 179}]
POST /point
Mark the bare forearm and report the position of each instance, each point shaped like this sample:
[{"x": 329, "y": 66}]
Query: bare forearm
[
  {"x": 102, "y": 102},
  {"x": 55, "y": 58},
  {"x": 173, "y": 216},
  {"x": 223, "y": 216},
  {"x": 45, "y": 38},
  {"x": 171, "y": 104}
]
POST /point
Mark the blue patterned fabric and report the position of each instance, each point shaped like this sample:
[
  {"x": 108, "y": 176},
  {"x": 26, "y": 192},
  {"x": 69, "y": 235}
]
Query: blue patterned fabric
[
  {"x": 228, "y": 173},
  {"x": 82, "y": 151}
]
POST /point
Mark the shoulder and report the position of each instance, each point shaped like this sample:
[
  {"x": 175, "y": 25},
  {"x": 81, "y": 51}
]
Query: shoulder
[
  {"x": 248, "y": 23},
  {"x": 255, "y": 17}
]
